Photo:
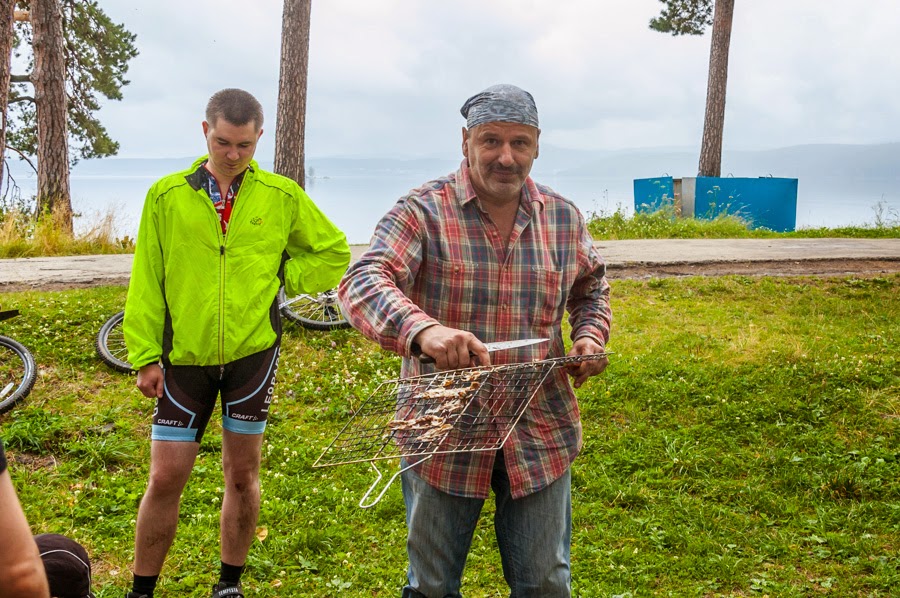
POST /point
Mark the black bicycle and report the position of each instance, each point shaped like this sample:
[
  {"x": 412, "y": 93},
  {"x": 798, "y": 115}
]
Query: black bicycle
[
  {"x": 314, "y": 312},
  {"x": 17, "y": 369}
]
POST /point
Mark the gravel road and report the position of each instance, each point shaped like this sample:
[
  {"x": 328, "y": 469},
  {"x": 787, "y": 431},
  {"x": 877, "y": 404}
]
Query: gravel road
[{"x": 625, "y": 259}]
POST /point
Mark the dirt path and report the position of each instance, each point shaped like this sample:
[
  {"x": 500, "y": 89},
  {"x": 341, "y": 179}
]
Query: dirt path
[
  {"x": 625, "y": 259},
  {"x": 847, "y": 267},
  {"x": 855, "y": 267}
]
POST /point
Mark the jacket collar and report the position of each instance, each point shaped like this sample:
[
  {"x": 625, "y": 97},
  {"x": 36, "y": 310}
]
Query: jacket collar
[{"x": 195, "y": 177}]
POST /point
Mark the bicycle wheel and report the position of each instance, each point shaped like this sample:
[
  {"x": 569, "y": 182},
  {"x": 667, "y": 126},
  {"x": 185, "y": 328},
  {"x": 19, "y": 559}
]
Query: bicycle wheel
[
  {"x": 17, "y": 373},
  {"x": 110, "y": 344},
  {"x": 319, "y": 312}
]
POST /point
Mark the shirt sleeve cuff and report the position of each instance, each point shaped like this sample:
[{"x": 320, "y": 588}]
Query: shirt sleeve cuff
[
  {"x": 411, "y": 329},
  {"x": 592, "y": 333}
]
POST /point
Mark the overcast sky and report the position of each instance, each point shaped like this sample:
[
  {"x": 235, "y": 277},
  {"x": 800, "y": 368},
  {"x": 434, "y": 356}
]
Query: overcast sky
[{"x": 387, "y": 77}]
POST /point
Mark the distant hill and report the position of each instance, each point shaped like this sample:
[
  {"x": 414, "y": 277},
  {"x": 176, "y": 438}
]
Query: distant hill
[
  {"x": 801, "y": 161},
  {"x": 330, "y": 167},
  {"x": 827, "y": 161}
]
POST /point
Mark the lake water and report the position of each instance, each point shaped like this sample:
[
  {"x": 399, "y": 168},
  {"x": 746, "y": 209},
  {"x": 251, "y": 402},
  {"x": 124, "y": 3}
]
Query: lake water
[{"x": 355, "y": 203}]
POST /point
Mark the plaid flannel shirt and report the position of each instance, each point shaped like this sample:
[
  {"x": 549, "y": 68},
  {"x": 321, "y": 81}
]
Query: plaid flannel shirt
[{"x": 437, "y": 258}]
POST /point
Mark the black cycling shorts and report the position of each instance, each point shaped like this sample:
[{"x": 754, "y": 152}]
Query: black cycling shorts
[{"x": 190, "y": 393}]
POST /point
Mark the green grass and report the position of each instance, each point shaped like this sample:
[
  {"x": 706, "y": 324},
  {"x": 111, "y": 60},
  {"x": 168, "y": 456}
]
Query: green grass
[
  {"x": 663, "y": 224},
  {"x": 744, "y": 441}
]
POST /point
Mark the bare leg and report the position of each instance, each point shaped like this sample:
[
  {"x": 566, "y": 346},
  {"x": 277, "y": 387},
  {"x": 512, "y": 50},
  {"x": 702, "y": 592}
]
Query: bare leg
[
  {"x": 240, "y": 507},
  {"x": 170, "y": 467}
]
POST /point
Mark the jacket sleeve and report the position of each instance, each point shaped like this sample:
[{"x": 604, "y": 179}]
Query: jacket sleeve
[
  {"x": 145, "y": 306},
  {"x": 318, "y": 250}
]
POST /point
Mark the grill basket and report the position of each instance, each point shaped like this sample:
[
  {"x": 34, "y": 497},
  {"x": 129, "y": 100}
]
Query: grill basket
[{"x": 455, "y": 411}]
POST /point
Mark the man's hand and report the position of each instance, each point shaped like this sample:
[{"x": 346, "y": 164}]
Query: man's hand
[
  {"x": 584, "y": 370},
  {"x": 150, "y": 380},
  {"x": 452, "y": 348}
]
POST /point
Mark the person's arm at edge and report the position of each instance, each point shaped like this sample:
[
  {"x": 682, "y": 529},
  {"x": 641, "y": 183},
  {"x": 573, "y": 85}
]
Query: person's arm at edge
[{"x": 21, "y": 570}]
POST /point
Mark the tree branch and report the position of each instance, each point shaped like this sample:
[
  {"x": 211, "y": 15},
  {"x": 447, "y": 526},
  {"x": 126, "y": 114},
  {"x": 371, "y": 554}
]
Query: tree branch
[
  {"x": 20, "y": 78},
  {"x": 21, "y": 99},
  {"x": 23, "y": 156}
]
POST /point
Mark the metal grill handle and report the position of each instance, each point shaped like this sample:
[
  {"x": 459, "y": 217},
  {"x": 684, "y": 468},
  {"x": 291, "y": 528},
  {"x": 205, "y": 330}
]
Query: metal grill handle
[{"x": 362, "y": 502}]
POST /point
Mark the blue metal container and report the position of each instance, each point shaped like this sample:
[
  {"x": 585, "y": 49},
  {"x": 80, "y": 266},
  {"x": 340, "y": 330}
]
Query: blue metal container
[
  {"x": 765, "y": 202},
  {"x": 652, "y": 194}
]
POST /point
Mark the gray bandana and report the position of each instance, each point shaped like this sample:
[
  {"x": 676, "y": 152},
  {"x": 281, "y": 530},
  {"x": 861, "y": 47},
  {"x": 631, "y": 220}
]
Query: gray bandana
[{"x": 500, "y": 103}]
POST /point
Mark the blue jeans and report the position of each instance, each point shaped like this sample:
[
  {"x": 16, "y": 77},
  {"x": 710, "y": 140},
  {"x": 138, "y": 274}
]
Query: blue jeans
[{"x": 534, "y": 535}]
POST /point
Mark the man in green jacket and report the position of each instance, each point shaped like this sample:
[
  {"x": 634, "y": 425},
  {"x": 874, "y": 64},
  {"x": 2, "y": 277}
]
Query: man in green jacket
[{"x": 202, "y": 320}]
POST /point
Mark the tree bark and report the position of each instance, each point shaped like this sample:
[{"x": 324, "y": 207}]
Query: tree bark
[
  {"x": 714, "y": 121},
  {"x": 290, "y": 127},
  {"x": 7, "y": 12},
  {"x": 51, "y": 105}
]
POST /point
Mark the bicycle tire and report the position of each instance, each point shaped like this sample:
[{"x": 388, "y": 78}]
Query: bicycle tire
[
  {"x": 321, "y": 312},
  {"x": 110, "y": 344},
  {"x": 18, "y": 373}
]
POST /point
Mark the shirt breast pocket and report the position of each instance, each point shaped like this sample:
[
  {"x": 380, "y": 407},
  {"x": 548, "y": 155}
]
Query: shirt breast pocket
[{"x": 458, "y": 293}]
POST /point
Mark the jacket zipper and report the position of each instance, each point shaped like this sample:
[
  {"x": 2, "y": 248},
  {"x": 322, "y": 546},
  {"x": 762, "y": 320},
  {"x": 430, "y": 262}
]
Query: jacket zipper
[
  {"x": 223, "y": 240},
  {"x": 221, "y": 306},
  {"x": 220, "y": 333}
]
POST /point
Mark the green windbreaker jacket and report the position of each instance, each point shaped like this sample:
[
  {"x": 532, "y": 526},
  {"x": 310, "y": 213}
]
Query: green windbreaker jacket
[{"x": 204, "y": 298}]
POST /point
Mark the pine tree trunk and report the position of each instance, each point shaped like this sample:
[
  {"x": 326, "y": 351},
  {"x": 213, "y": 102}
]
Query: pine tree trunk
[
  {"x": 7, "y": 19},
  {"x": 290, "y": 128},
  {"x": 714, "y": 122},
  {"x": 49, "y": 80}
]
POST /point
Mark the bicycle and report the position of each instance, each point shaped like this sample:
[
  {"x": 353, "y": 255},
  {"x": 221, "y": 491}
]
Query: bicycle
[
  {"x": 17, "y": 368},
  {"x": 314, "y": 312}
]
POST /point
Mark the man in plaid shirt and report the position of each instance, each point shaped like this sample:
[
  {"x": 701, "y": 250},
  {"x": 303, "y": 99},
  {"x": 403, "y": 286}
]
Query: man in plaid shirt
[{"x": 486, "y": 254}]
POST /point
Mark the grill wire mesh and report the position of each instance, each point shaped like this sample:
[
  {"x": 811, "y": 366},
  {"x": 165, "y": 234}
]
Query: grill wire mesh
[{"x": 455, "y": 411}]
